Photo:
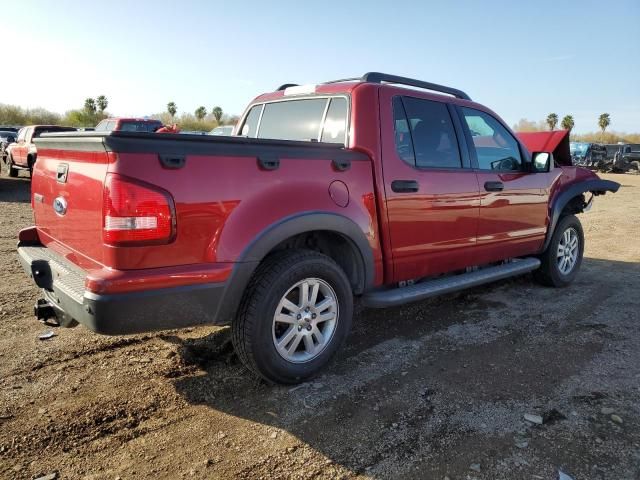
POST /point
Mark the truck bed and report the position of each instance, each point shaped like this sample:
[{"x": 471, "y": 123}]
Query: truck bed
[{"x": 226, "y": 191}]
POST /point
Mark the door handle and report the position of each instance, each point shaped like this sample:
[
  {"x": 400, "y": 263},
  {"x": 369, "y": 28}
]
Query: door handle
[
  {"x": 493, "y": 186},
  {"x": 404, "y": 186}
]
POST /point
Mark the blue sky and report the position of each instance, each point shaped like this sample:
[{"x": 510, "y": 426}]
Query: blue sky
[{"x": 522, "y": 59}]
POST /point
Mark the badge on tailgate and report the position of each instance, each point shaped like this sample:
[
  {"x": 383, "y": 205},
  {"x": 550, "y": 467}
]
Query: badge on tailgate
[{"x": 60, "y": 205}]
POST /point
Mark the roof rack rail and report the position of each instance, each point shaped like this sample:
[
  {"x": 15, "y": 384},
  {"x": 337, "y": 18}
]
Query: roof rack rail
[
  {"x": 377, "y": 77},
  {"x": 286, "y": 85}
]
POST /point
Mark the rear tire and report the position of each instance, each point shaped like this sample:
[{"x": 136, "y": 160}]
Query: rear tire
[
  {"x": 563, "y": 257},
  {"x": 283, "y": 337},
  {"x": 10, "y": 170}
]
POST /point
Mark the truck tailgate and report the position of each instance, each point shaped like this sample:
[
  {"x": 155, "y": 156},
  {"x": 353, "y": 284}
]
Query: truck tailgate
[{"x": 67, "y": 197}]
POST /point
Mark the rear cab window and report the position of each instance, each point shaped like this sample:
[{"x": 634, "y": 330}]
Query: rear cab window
[
  {"x": 317, "y": 119},
  {"x": 136, "y": 126}
]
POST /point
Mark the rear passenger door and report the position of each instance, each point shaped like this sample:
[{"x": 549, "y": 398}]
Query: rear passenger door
[
  {"x": 432, "y": 194},
  {"x": 513, "y": 201}
]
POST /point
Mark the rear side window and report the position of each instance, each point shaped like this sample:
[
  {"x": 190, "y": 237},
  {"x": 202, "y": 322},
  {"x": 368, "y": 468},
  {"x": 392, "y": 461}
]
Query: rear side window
[
  {"x": 21, "y": 134},
  {"x": 250, "y": 127},
  {"x": 292, "y": 120},
  {"x": 495, "y": 147},
  {"x": 424, "y": 132},
  {"x": 335, "y": 123}
]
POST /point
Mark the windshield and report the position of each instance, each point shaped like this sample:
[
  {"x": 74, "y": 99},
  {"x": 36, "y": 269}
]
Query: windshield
[{"x": 578, "y": 149}]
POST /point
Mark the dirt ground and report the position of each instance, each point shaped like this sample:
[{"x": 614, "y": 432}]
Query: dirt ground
[{"x": 435, "y": 390}]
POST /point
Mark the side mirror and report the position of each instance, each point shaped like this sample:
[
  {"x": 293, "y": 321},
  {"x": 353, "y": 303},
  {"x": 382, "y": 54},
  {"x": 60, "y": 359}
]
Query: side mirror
[{"x": 540, "y": 162}]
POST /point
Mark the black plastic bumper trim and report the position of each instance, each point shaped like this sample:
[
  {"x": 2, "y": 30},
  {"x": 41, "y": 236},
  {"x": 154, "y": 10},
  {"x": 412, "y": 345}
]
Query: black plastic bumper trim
[{"x": 127, "y": 313}]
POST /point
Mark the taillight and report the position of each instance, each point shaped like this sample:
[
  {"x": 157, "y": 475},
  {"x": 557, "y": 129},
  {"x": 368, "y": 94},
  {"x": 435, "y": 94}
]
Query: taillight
[{"x": 136, "y": 213}]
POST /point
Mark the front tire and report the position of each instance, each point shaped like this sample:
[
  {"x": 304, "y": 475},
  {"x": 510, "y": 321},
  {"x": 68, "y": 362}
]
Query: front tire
[
  {"x": 563, "y": 257},
  {"x": 294, "y": 316}
]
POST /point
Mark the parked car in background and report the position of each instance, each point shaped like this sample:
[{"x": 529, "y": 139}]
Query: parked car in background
[
  {"x": 22, "y": 154},
  {"x": 128, "y": 125},
  {"x": 626, "y": 158},
  {"x": 590, "y": 155},
  {"x": 612, "y": 148},
  {"x": 7, "y": 137},
  {"x": 375, "y": 187},
  {"x": 223, "y": 130}
]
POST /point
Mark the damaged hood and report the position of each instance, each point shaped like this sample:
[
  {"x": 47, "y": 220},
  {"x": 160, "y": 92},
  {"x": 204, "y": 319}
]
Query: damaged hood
[{"x": 555, "y": 142}]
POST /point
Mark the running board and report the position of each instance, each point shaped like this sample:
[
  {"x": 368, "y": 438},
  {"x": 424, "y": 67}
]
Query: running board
[{"x": 440, "y": 286}]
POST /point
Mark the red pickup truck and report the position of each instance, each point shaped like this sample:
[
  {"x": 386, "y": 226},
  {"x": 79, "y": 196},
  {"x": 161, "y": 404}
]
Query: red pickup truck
[
  {"x": 22, "y": 154},
  {"x": 355, "y": 187}
]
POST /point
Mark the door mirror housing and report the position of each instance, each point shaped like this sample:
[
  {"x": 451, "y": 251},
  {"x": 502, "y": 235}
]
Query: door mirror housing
[{"x": 540, "y": 162}]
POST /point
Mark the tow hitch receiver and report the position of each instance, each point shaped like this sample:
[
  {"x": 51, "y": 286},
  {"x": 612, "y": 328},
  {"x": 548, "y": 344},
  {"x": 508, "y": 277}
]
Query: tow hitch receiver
[{"x": 43, "y": 310}]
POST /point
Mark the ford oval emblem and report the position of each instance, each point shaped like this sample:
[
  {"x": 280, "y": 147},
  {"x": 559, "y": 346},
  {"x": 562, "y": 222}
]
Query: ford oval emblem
[{"x": 60, "y": 205}]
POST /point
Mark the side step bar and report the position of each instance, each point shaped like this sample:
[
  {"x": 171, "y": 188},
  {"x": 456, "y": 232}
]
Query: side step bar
[{"x": 440, "y": 286}]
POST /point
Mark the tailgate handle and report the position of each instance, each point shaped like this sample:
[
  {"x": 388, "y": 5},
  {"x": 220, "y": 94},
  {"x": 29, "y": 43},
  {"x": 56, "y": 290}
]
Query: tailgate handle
[
  {"x": 62, "y": 172},
  {"x": 268, "y": 162},
  {"x": 172, "y": 161}
]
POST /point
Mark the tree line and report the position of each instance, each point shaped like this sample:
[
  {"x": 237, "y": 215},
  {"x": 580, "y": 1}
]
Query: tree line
[
  {"x": 567, "y": 123},
  {"x": 95, "y": 109}
]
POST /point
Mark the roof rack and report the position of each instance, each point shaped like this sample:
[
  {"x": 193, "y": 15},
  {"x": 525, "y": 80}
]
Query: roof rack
[{"x": 377, "y": 77}]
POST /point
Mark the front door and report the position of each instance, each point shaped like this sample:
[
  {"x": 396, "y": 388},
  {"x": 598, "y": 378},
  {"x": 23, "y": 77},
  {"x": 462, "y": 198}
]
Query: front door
[
  {"x": 513, "y": 201},
  {"x": 432, "y": 194}
]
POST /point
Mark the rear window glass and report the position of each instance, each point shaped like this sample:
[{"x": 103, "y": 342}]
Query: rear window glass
[
  {"x": 139, "y": 126},
  {"x": 309, "y": 119},
  {"x": 292, "y": 120},
  {"x": 40, "y": 130}
]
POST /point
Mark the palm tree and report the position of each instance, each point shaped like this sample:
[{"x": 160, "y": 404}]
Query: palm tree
[
  {"x": 172, "y": 109},
  {"x": 552, "y": 121},
  {"x": 90, "y": 105},
  {"x": 604, "y": 121},
  {"x": 102, "y": 103},
  {"x": 200, "y": 113},
  {"x": 217, "y": 113},
  {"x": 567, "y": 123}
]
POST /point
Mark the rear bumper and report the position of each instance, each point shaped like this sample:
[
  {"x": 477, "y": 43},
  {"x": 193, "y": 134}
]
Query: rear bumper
[{"x": 62, "y": 283}]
